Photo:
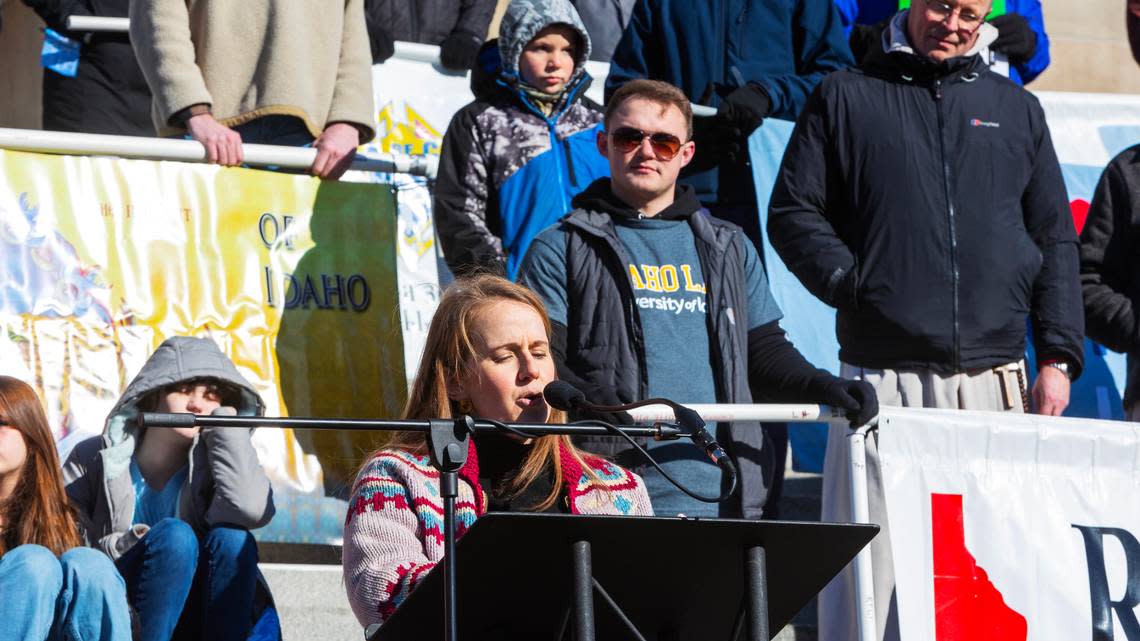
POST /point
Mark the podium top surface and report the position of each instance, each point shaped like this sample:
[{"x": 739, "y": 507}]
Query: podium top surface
[{"x": 675, "y": 578}]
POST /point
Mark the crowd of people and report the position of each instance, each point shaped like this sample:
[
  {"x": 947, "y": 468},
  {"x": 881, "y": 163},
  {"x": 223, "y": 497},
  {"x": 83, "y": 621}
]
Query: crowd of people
[{"x": 613, "y": 247}]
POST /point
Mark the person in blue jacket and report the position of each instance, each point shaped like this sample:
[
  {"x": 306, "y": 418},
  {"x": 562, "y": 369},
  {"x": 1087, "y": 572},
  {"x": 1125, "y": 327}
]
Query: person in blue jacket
[
  {"x": 1022, "y": 40},
  {"x": 750, "y": 59},
  {"x": 514, "y": 158}
]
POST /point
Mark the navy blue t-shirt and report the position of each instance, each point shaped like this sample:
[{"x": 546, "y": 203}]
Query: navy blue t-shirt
[{"x": 669, "y": 291}]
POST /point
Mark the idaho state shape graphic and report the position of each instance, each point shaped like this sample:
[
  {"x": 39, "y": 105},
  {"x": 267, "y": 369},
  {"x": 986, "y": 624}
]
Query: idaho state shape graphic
[{"x": 966, "y": 605}]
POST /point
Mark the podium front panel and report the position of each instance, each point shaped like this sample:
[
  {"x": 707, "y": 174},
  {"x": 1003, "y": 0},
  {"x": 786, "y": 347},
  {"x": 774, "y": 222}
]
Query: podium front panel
[{"x": 676, "y": 579}]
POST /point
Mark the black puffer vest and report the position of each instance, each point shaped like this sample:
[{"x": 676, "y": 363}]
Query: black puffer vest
[{"x": 605, "y": 344}]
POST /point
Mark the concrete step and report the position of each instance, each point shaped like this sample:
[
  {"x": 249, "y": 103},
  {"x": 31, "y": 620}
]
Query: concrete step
[
  {"x": 312, "y": 605},
  {"x": 311, "y": 602}
]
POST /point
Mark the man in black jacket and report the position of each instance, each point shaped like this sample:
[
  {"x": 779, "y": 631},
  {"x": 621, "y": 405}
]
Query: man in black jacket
[
  {"x": 650, "y": 296},
  {"x": 920, "y": 196},
  {"x": 1110, "y": 275}
]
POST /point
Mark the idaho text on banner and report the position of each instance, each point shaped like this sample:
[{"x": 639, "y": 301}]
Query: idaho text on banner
[
  {"x": 1012, "y": 527},
  {"x": 101, "y": 259}
]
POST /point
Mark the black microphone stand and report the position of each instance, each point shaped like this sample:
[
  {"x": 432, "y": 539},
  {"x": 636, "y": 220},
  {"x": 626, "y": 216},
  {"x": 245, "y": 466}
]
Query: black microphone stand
[{"x": 447, "y": 444}]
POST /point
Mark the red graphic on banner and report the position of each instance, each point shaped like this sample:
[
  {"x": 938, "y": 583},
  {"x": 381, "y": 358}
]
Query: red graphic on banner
[
  {"x": 966, "y": 605},
  {"x": 1080, "y": 210}
]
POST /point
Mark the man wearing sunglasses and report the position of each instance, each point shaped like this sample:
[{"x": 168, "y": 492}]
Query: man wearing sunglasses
[
  {"x": 650, "y": 296},
  {"x": 921, "y": 197}
]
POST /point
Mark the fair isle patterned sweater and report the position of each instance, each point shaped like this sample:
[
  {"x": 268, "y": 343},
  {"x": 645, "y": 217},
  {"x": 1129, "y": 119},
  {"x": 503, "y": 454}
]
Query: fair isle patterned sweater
[{"x": 393, "y": 534}]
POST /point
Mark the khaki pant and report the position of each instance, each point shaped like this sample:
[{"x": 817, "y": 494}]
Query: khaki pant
[{"x": 996, "y": 390}]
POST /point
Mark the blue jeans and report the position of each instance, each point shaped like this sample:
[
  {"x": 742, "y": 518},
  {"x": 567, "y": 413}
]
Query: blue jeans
[
  {"x": 78, "y": 596},
  {"x": 183, "y": 587}
]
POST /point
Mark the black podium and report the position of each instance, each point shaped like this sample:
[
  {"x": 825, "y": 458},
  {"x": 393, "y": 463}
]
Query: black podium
[{"x": 550, "y": 576}]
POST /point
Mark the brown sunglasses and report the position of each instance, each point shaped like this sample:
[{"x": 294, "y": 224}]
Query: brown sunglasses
[{"x": 665, "y": 146}]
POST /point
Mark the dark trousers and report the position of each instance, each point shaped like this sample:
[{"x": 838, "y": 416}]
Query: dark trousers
[{"x": 183, "y": 587}]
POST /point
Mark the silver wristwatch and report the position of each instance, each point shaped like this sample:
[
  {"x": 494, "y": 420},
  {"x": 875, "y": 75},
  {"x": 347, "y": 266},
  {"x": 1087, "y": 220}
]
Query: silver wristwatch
[{"x": 1063, "y": 366}]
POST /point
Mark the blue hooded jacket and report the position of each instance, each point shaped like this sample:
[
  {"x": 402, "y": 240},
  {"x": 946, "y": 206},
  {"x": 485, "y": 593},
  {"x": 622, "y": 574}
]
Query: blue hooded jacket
[
  {"x": 854, "y": 12},
  {"x": 507, "y": 170},
  {"x": 786, "y": 46}
]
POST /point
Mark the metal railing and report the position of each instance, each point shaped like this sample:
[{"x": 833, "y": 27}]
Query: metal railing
[{"x": 300, "y": 158}]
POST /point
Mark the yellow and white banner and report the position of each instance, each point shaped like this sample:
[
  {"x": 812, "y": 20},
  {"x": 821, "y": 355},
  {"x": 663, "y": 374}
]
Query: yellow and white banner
[
  {"x": 1012, "y": 527},
  {"x": 101, "y": 259}
]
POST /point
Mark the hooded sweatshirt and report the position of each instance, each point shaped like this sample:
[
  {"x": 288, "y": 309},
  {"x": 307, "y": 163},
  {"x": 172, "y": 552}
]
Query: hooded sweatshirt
[
  {"x": 225, "y": 482},
  {"x": 509, "y": 164}
]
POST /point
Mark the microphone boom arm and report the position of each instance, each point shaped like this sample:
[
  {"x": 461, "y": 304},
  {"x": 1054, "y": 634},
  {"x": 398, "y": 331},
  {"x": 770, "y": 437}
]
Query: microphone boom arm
[{"x": 659, "y": 430}]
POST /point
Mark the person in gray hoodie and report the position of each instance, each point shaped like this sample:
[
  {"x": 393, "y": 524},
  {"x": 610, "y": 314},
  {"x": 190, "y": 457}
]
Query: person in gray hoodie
[{"x": 173, "y": 507}]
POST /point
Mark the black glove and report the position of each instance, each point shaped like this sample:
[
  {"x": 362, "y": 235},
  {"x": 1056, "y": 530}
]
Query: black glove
[
  {"x": 745, "y": 107},
  {"x": 866, "y": 39},
  {"x": 380, "y": 42},
  {"x": 717, "y": 140},
  {"x": 457, "y": 52},
  {"x": 857, "y": 397},
  {"x": 724, "y": 137},
  {"x": 1015, "y": 39}
]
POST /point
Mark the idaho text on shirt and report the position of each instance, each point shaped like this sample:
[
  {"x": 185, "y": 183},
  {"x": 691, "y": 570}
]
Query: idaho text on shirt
[{"x": 675, "y": 284}]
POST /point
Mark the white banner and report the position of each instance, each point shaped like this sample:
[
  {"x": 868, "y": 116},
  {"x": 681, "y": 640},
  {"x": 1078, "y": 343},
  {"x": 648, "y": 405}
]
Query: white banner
[{"x": 1012, "y": 527}]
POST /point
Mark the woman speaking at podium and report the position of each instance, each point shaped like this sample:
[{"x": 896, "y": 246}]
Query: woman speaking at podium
[{"x": 487, "y": 355}]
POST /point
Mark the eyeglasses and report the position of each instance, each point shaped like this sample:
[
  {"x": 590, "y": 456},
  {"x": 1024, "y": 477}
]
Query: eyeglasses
[
  {"x": 665, "y": 146},
  {"x": 969, "y": 20}
]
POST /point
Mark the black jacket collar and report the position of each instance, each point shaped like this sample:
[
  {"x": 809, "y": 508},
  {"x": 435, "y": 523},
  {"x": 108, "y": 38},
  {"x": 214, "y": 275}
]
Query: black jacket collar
[{"x": 919, "y": 69}]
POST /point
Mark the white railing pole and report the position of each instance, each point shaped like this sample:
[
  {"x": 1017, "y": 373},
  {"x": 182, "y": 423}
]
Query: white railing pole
[
  {"x": 191, "y": 151},
  {"x": 98, "y": 23},
  {"x": 729, "y": 413},
  {"x": 861, "y": 513},
  {"x": 416, "y": 52}
]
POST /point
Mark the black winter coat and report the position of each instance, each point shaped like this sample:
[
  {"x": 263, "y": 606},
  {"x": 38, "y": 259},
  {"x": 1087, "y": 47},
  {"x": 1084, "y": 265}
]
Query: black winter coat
[
  {"x": 429, "y": 21},
  {"x": 1110, "y": 271},
  {"x": 924, "y": 201},
  {"x": 109, "y": 94}
]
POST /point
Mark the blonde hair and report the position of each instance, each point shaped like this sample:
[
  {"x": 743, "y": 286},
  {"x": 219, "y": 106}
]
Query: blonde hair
[{"x": 449, "y": 349}]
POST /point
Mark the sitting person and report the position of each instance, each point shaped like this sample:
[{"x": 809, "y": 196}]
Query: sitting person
[
  {"x": 487, "y": 355},
  {"x": 52, "y": 587},
  {"x": 512, "y": 159},
  {"x": 173, "y": 506}
]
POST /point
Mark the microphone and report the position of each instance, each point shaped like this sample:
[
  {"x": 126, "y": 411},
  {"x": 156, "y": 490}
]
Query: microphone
[
  {"x": 564, "y": 396},
  {"x": 701, "y": 434},
  {"x": 178, "y": 419},
  {"x": 162, "y": 419}
]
